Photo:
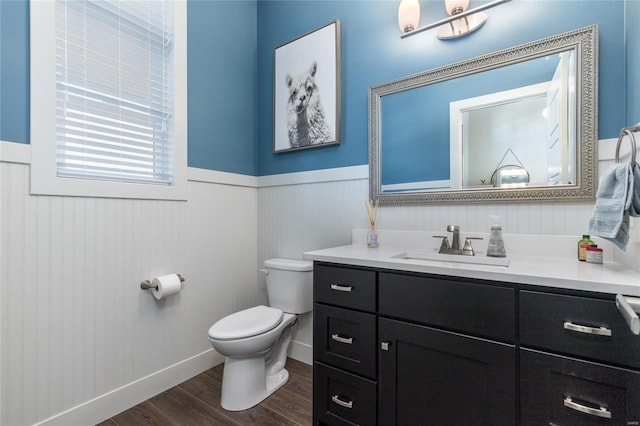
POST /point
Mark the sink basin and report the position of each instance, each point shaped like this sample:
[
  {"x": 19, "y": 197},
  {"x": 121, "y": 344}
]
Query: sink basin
[{"x": 477, "y": 260}]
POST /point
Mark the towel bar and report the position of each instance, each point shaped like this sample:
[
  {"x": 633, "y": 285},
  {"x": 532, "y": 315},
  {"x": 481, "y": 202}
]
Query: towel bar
[
  {"x": 628, "y": 131},
  {"x": 629, "y": 308}
]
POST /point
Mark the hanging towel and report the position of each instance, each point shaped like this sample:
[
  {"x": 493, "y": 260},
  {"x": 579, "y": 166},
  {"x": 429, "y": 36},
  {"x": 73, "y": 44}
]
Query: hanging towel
[{"x": 610, "y": 217}]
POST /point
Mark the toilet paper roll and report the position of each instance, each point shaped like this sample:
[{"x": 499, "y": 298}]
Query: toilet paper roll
[{"x": 165, "y": 286}]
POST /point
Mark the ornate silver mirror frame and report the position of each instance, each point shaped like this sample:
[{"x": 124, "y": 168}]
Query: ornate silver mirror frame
[{"x": 585, "y": 43}]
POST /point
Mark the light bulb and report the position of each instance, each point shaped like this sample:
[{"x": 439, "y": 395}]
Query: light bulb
[
  {"x": 456, "y": 6},
  {"x": 408, "y": 15}
]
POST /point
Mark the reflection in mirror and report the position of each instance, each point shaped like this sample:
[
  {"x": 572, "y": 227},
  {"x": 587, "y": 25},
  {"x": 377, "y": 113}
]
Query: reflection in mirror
[
  {"x": 535, "y": 123},
  {"x": 517, "y": 124}
]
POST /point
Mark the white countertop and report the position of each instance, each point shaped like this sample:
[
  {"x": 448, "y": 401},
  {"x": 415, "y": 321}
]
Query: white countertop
[{"x": 551, "y": 270}]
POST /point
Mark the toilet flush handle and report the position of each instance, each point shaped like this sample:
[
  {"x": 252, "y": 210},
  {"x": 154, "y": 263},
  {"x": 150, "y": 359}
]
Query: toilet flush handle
[{"x": 266, "y": 271}]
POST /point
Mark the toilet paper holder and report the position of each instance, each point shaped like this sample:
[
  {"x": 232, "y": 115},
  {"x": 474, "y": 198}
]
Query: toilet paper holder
[{"x": 147, "y": 284}]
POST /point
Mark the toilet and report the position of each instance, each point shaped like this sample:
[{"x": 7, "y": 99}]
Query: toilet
[{"x": 255, "y": 341}]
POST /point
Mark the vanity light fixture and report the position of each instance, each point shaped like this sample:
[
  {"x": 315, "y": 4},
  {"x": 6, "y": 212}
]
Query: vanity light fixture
[{"x": 461, "y": 20}]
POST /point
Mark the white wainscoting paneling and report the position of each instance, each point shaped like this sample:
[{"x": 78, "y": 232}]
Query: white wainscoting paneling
[
  {"x": 299, "y": 214},
  {"x": 79, "y": 339},
  {"x": 296, "y": 218}
]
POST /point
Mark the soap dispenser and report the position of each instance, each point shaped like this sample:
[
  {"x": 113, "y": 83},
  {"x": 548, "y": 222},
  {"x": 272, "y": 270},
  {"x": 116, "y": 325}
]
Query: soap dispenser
[{"x": 496, "y": 244}]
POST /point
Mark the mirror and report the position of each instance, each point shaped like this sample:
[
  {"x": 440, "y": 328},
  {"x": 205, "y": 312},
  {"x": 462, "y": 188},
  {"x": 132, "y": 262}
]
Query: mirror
[{"x": 519, "y": 124}]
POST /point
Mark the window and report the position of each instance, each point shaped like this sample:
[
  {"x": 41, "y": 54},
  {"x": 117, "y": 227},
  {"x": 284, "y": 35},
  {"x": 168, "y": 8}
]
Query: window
[{"x": 108, "y": 98}]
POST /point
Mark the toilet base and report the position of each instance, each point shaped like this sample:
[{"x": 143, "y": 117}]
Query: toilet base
[{"x": 244, "y": 383}]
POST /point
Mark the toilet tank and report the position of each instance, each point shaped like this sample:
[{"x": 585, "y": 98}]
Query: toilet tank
[{"x": 290, "y": 285}]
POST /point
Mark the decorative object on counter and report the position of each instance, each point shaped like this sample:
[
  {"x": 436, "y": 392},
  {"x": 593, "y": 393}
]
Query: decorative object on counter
[
  {"x": 582, "y": 247},
  {"x": 594, "y": 254},
  {"x": 163, "y": 286},
  {"x": 618, "y": 196},
  {"x": 496, "y": 243},
  {"x": 372, "y": 211},
  {"x": 306, "y": 92}
]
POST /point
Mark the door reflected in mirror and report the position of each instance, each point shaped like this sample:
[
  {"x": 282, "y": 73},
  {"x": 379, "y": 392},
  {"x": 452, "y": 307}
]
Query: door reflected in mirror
[{"x": 532, "y": 127}]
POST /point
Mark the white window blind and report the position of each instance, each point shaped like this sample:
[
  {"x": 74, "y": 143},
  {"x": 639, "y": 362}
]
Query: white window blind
[{"x": 114, "y": 90}]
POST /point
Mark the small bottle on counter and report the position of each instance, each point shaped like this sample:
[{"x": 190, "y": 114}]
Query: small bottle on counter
[
  {"x": 594, "y": 254},
  {"x": 582, "y": 247},
  {"x": 496, "y": 243}
]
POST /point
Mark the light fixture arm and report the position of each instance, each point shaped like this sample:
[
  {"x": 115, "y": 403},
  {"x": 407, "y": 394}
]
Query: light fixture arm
[{"x": 454, "y": 17}]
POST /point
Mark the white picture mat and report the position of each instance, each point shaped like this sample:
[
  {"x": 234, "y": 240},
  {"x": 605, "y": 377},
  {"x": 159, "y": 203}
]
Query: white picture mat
[{"x": 295, "y": 58}]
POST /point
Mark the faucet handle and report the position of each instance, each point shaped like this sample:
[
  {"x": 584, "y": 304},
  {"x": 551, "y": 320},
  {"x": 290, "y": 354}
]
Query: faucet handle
[
  {"x": 444, "y": 246},
  {"x": 467, "y": 250}
]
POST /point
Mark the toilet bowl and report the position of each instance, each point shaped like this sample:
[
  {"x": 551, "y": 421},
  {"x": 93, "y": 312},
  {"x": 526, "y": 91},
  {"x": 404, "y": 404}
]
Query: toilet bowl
[{"x": 255, "y": 341}]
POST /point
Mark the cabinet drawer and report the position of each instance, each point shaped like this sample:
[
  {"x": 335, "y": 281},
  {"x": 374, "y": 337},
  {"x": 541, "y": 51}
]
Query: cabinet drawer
[
  {"x": 345, "y": 339},
  {"x": 481, "y": 310},
  {"x": 567, "y": 324},
  {"x": 351, "y": 288},
  {"x": 565, "y": 391},
  {"x": 341, "y": 398}
]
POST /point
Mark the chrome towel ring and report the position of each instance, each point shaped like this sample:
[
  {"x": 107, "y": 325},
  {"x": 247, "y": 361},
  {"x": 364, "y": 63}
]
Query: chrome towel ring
[{"x": 628, "y": 131}]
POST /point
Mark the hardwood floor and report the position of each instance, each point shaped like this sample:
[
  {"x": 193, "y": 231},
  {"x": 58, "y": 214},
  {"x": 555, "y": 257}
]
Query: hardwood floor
[{"x": 197, "y": 402}]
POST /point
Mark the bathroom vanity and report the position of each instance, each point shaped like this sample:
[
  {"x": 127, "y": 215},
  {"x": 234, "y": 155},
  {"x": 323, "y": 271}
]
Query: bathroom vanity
[{"x": 400, "y": 341}]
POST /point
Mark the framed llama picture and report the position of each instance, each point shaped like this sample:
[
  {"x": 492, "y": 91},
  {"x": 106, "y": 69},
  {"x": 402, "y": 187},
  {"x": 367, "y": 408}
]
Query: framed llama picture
[{"x": 306, "y": 90}]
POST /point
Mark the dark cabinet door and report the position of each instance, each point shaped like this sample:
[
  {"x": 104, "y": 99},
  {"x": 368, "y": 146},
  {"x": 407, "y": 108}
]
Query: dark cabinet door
[
  {"x": 558, "y": 390},
  {"x": 433, "y": 377}
]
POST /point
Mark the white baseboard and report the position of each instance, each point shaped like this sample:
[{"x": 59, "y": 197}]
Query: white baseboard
[
  {"x": 127, "y": 396},
  {"x": 302, "y": 352}
]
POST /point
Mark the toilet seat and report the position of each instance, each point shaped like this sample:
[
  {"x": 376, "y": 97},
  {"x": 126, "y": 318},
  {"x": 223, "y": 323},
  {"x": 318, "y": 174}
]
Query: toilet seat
[{"x": 246, "y": 323}]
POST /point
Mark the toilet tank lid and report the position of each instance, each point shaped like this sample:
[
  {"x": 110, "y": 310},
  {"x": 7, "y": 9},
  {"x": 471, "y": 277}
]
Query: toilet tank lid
[{"x": 289, "y": 264}]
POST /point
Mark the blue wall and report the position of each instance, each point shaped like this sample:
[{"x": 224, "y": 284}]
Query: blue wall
[
  {"x": 632, "y": 25},
  {"x": 222, "y": 95},
  {"x": 222, "y": 85},
  {"x": 231, "y": 47},
  {"x": 14, "y": 71},
  {"x": 372, "y": 53}
]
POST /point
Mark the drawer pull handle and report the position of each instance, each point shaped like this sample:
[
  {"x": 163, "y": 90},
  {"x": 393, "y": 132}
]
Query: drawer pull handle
[
  {"x": 600, "y": 331},
  {"x": 629, "y": 308},
  {"x": 339, "y": 338},
  {"x": 340, "y": 287},
  {"x": 598, "y": 412},
  {"x": 340, "y": 402}
]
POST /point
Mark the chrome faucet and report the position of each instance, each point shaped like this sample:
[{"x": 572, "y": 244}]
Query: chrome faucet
[
  {"x": 454, "y": 248},
  {"x": 455, "y": 240}
]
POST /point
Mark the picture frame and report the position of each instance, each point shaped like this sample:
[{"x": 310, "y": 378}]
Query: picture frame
[{"x": 306, "y": 90}]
